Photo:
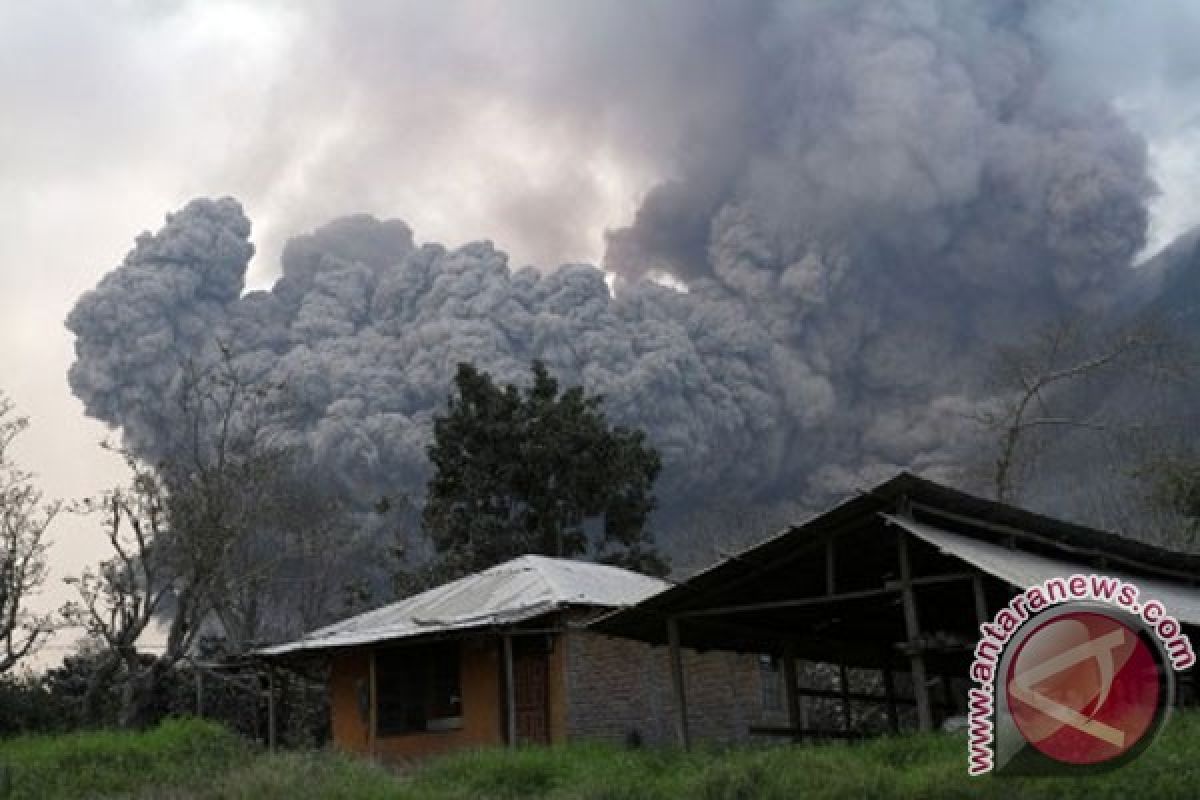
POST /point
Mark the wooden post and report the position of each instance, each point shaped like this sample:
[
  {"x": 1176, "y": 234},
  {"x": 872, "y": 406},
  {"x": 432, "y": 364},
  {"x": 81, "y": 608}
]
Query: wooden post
[
  {"x": 912, "y": 628},
  {"x": 373, "y": 715},
  {"x": 270, "y": 709},
  {"x": 796, "y": 715},
  {"x": 676, "y": 657},
  {"x": 830, "y": 568},
  {"x": 510, "y": 694},
  {"x": 844, "y": 685},
  {"x": 981, "y": 609},
  {"x": 889, "y": 693},
  {"x": 199, "y": 689},
  {"x": 949, "y": 706}
]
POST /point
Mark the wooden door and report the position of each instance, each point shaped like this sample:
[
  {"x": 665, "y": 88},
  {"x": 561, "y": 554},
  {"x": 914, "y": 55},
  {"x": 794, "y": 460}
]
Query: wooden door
[{"x": 531, "y": 695}]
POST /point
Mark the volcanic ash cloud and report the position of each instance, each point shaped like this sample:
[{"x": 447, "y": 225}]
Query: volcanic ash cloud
[{"x": 908, "y": 185}]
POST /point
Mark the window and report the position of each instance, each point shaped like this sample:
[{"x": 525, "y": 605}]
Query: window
[
  {"x": 772, "y": 683},
  {"x": 418, "y": 689}
]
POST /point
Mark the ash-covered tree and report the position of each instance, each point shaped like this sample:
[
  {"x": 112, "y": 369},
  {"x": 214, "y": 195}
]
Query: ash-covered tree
[
  {"x": 1052, "y": 383},
  {"x": 120, "y": 597},
  {"x": 226, "y": 535},
  {"x": 24, "y": 518},
  {"x": 1103, "y": 411},
  {"x": 536, "y": 470}
]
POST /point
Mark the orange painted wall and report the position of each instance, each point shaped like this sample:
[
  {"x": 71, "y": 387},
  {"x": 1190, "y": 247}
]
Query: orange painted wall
[
  {"x": 481, "y": 696},
  {"x": 349, "y": 674}
]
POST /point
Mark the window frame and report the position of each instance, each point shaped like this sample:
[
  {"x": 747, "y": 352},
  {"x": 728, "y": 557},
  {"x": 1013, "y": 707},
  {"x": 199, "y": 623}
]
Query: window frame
[{"x": 418, "y": 689}]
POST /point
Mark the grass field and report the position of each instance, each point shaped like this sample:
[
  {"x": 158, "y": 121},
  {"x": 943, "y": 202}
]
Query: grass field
[{"x": 190, "y": 760}]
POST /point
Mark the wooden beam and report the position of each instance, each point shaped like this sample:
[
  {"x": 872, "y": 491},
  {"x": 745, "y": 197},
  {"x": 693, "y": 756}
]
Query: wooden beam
[
  {"x": 373, "y": 716},
  {"x": 510, "y": 693},
  {"x": 844, "y": 692},
  {"x": 890, "y": 587},
  {"x": 270, "y": 709},
  {"x": 929, "y": 580},
  {"x": 797, "y": 602},
  {"x": 947, "y": 696},
  {"x": 677, "y": 683},
  {"x": 912, "y": 628},
  {"x": 815, "y": 535},
  {"x": 830, "y": 569},
  {"x": 796, "y": 713},
  {"x": 889, "y": 695},
  {"x": 981, "y": 609},
  {"x": 860, "y": 697}
]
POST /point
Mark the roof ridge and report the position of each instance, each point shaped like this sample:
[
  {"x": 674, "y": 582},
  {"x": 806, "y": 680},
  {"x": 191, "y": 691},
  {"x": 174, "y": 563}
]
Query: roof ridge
[{"x": 536, "y": 565}]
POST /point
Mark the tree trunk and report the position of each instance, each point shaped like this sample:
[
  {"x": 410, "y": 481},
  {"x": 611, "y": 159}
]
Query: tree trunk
[
  {"x": 139, "y": 699},
  {"x": 98, "y": 685}
]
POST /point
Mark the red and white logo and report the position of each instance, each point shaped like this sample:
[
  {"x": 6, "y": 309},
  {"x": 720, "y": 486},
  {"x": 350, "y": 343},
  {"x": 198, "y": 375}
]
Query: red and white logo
[
  {"x": 1074, "y": 673},
  {"x": 1084, "y": 688}
]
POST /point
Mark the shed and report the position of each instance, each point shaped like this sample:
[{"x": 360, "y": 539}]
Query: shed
[{"x": 893, "y": 582}]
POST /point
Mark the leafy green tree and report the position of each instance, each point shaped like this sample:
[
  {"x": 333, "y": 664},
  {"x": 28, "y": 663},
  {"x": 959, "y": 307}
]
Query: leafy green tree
[{"x": 536, "y": 470}]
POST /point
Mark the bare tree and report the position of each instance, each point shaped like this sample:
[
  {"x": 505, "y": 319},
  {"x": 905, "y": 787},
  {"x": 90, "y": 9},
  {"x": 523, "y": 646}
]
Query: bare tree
[
  {"x": 225, "y": 480},
  {"x": 274, "y": 537},
  {"x": 1041, "y": 386},
  {"x": 223, "y": 536},
  {"x": 177, "y": 534},
  {"x": 24, "y": 519},
  {"x": 123, "y": 595}
]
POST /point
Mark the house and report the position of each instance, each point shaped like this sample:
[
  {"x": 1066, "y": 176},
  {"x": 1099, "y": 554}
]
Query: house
[
  {"x": 503, "y": 656},
  {"x": 888, "y": 590}
]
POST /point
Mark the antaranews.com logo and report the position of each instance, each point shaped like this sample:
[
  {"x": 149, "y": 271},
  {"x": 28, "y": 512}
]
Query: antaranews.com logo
[{"x": 1076, "y": 673}]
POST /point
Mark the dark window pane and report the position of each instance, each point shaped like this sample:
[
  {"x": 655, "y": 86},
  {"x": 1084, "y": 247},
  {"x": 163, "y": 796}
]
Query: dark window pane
[{"x": 418, "y": 688}]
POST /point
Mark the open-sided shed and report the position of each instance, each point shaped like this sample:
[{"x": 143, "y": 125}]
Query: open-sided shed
[{"x": 895, "y": 580}]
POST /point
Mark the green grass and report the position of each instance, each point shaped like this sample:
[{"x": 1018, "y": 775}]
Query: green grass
[
  {"x": 190, "y": 760},
  {"x": 117, "y": 763},
  {"x": 902, "y": 767}
]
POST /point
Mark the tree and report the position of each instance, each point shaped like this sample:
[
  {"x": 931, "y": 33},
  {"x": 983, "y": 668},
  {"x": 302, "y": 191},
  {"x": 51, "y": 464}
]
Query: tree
[
  {"x": 271, "y": 540},
  {"x": 201, "y": 538},
  {"x": 120, "y": 598},
  {"x": 228, "y": 535},
  {"x": 24, "y": 519},
  {"x": 536, "y": 471},
  {"x": 1163, "y": 503},
  {"x": 1041, "y": 387}
]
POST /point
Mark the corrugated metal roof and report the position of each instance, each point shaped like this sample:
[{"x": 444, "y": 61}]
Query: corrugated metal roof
[
  {"x": 1023, "y": 569},
  {"x": 516, "y": 590}
]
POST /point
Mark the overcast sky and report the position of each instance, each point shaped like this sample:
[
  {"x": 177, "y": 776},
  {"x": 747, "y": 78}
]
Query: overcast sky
[{"x": 535, "y": 124}]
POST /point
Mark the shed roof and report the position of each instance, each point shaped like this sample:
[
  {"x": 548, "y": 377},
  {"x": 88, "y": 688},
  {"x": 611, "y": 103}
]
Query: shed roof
[
  {"x": 793, "y": 564},
  {"x": 505, "y": 594},
  {"x": 1023, "y": 569}
]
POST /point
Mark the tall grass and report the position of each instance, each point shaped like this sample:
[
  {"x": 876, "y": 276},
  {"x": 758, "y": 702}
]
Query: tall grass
[
  {"x": 178, "y": 753},
  {"x": 932, "y": 766},
  {"x": 198, "y": 761}
]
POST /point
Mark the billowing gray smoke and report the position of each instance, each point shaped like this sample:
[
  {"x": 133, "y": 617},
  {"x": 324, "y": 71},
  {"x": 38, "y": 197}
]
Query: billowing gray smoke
[{"x": 907, "y": 186}]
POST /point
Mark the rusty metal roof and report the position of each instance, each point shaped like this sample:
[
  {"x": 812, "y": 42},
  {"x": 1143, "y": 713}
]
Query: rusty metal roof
[{"x": 508, "y": 593}]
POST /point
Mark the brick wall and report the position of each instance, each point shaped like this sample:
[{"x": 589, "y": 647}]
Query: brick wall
[{"x": 618, "y": 686}]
